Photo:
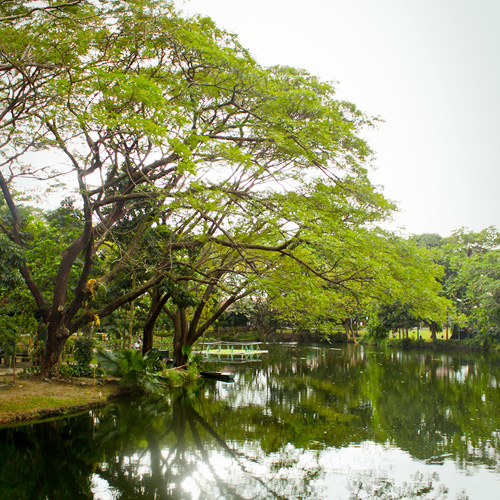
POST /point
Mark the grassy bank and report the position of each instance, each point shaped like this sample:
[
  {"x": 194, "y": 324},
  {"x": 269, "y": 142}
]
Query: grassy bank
[
  {"x": 33, "y": 399},
  {"x": 473, "y": 344}
]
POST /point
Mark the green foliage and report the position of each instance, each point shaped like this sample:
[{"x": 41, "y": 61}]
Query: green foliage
[
  {"x": 136, "y": 372},
  {"x": 337, "y": 337},
  {"x": 68, "y": 370},
  {"x": 16, "y": 332},
  {"x": 369, "y": 268},
  {"x": 11, "y": 257},
  {"x": 84, "y": 351},
  {"x": 185, "y": 378},
  {"x": 472, "y": 279},
  {"x": 408, "y": 343},
  {"x": 428, "y": 240},
  {"x": 203, "y": 178},
  {"x": 472, "y": 344},
  {"x": 478, "y": 343},
  {"x": 376, "y": 329},
  {"x": 186, "y": 350},
  {"x": 178, "y": 293},
  {"x": 43, "y": 238}
]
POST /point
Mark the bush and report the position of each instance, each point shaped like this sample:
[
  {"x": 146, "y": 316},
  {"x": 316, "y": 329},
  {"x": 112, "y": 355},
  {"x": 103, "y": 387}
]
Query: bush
[
  {"x": 83, "y": 352},
  {"x": 406, "y": 343},
  {"x": 478, "y": 343},
  {"x": 472, "y": 344},
  {"x": 137, "y": 373},
  {"x": 146, "y": 373},
  {"x": 338, "y": 337},
  {"x": 389, "y": 342},
  {"x": 375, "y": 330},
  {"x": 181, "y": 378},
  {"x": 80, "y": 371}
]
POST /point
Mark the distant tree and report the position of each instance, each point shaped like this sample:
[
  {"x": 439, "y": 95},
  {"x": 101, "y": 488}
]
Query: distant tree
[
  {"x": 428, "y": 240},
  {"x": 472, "y": 278},
  {"x": 391, "y": 318}
]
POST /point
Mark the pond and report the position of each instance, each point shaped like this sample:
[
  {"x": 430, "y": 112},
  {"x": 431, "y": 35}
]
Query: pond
[{"x": 300, "y": 422}]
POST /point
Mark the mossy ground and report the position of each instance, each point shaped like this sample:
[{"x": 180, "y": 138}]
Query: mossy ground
[{"x": 31, "y": 398}]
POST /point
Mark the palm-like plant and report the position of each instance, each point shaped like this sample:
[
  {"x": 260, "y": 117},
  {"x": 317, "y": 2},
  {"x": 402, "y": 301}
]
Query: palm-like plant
[{"x": 136, "y": 372}]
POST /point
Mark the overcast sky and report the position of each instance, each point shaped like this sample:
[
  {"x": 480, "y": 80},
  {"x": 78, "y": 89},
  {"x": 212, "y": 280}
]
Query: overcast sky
[{"x": 429, "y": 68}]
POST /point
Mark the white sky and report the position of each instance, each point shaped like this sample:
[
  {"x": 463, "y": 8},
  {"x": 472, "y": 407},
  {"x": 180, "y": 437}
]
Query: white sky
[{"x": 429, "y": 68}]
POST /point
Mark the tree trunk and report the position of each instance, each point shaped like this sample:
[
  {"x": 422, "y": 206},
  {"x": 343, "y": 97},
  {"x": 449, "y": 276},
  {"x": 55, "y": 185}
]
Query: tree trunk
[
  {"x": 157, "y": 304},
  {"x": 433, "y": 331},
  {"x": 185, "y": 334},
  {"x": 147, "y": 336},
  {"x": 52, "y": 354},
  {"x": 347, "y": 328},
  {"x": 180, "y": 338}
]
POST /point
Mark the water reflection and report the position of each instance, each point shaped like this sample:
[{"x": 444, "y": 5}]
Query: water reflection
[{"x": 305, "y": 423}]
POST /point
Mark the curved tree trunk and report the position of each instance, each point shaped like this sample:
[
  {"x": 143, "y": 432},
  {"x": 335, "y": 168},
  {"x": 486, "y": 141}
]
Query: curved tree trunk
[
  {"x": 147, "y": 335},
  {"x": 158, "y": 302},
  {"x": 187, "y": 333}
]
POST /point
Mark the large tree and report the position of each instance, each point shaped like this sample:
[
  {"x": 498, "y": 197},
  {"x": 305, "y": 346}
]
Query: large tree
[{"x": 243, "y": 176}]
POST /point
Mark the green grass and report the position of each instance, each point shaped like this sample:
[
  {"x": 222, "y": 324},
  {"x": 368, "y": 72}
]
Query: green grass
[
  {"x": 34, "y": 405},
  {"x": 423, "y": 333}
]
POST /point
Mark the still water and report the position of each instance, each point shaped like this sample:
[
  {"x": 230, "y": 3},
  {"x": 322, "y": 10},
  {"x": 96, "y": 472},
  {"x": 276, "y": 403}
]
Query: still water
[{"x": 301, "y": 422}]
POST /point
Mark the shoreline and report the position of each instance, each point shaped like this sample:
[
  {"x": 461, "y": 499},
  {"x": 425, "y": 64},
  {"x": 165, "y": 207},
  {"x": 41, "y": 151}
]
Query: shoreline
[
  {"x": 31, "y": 400},
  {"x": 27, "y": 399}
]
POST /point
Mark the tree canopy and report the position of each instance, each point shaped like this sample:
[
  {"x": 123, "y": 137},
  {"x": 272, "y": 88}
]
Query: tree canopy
[{"x": 197, "y": 172}]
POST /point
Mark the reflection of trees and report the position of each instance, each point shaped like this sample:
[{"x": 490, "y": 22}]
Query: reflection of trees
[
  {"x": 307, "y": 397},
  {"x": 266, "y": 436},
  {"x": 426, "y": 403},
  {"x": 430, "y": 406},
  {"x": 370, "y": 485},
  {"x": 53, "y": 460},
  {"x": 152, "y": 449}
]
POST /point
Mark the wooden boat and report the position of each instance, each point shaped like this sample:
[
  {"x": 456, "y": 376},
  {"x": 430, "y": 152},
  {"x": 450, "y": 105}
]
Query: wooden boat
[{"x": 223, "y": 377}]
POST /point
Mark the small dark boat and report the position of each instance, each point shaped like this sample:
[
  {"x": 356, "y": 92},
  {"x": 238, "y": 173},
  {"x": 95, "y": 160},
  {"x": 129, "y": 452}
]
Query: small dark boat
[{"x": 223, "y": 377}]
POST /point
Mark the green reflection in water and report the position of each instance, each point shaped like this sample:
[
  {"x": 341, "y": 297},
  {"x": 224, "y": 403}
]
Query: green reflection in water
[{"x": 303, "y": 423}]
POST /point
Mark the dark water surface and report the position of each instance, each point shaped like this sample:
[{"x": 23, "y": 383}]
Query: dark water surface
[{"x": 302, "y": 422}]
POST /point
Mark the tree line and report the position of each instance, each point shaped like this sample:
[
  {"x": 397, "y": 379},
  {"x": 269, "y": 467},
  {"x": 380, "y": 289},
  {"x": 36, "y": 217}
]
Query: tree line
[{"x": 190, "y": 176}]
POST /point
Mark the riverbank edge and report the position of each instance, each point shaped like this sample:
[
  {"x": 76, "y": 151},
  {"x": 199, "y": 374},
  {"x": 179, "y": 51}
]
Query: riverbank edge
[
  {"x": 472, "y": 344},
  {"x": 51, "y": 400},
  {"x": 85, "y": 390},
  {"x": 43, "y": 415},
  {"x": 479, "y": 344}
]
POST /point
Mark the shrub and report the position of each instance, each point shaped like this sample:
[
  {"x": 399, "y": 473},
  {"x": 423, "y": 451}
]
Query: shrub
[
  {"x": 338, "y": 337},
  {"x": 478, "y": 343},
  {"x": 83, "y": 352},
  {"x": 375, "y": 330},
  {"x": 137, "y": 373}
]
